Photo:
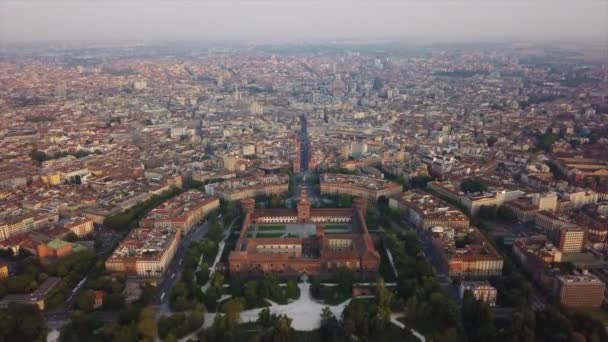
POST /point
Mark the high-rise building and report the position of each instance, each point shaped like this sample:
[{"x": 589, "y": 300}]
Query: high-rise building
[
  {"x": 139, "y": 85},
  {"x": 571, "y": 240},
  {"x": 256, "y": 108},
  {"x": 61, "y": 90},
  {"x": 237, "y": 94},
  {"x": 297, "y": 156},
  {"x": 545, "y": 201},
  {"x": 229, "y": 162}
]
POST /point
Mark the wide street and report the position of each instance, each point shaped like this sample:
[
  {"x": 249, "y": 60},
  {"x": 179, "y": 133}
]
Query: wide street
[{"x": 173, "y": 273}]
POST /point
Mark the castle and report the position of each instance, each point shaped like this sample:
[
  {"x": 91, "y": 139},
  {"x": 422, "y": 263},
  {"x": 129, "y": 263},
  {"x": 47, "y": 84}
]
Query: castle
[{"x": 305, "y": 240}]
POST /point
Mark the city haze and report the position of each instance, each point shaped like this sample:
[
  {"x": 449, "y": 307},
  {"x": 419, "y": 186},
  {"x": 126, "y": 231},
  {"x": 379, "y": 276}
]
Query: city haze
[{"x": 271, "y": 20}]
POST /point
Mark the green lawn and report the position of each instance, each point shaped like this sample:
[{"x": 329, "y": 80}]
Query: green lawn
[
  {"x": 269, "y": 234},
  {"x": 261, "y": 303},
  {"x": 335, "y": 231},
  {"x": 338, "y": 227},
  {"x": 332, "y": 295},
  {"x": 271, "y": 227}
]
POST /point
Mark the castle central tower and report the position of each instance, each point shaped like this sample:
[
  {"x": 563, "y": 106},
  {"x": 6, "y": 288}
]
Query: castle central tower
[{"x": 303, "y": 207}]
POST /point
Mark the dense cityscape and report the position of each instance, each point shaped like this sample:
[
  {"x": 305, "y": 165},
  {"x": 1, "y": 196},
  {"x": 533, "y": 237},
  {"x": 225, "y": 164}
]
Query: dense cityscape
[{"x": 299, "y": 192}]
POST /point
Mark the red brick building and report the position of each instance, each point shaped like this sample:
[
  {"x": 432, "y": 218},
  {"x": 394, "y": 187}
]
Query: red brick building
[
  {"x": 310, "y": 241},
  {"x": 579, "y": 290}
]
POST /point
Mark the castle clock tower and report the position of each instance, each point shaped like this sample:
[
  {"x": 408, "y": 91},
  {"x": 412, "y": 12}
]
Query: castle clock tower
[{"x": 303, "y": 207}]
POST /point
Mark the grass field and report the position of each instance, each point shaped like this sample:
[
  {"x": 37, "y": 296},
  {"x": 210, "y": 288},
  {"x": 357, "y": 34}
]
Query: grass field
[
  {"x": 337, "y": 227},
  {"x": 271, "y": 227},
  {"x": 334, "y": 231},
  {"x": 270, "y": 234}
]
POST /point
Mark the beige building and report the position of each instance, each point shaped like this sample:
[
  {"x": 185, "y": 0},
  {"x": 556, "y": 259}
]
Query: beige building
[
  {"x": 241, "y": 188},
  {"x": 10, "y": 226},
  {"x": 181, "y": 212},
  {"x": 81, "y": 226},
  {"x": 145, "y": 252},
  {"x": 547, "y": 201},
  {"x": 426, "y": 211},
  {"x": 473, "y": 202},
  {"x": 369, "y": 188},
  {"x": 229, "y": 162},
  {"x": 572, "y": 240},
  {"x": 578, "y": 199}
]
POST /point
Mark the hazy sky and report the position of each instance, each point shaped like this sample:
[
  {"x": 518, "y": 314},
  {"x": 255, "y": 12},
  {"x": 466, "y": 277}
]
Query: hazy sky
[{"x": 462, "y": 20}]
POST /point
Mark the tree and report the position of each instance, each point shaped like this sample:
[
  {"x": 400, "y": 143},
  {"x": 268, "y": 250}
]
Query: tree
[
  {"x": 126, "y": 333},
  {"x": 356, "y": 318},
  {"x": 165, "y": 323},
  {"x": 251, "y": 292},
  {"x": 552, "y": 325},
  {"x": 218, "y": 280},
  {"x": 202, "y": 275},
  {"x": 147, "y": 295},
  {"x": 329, "y": 326},
  {"x": 586, "y": 326},
  {"x": 420, "y": 182},
  {"x": 265, "y": 319},
  {"x": 491, "y": 140},
  {"x": 477, "y": 319},
  {"x": 506, "y": 214},
  {"x": 345, "y": 279},
  {"x": 232, "y": 309},
  {"x": 269, "y": 288},
  {"x": 545, "y": 141},
  {"x": 114, "y": 301},
  {"x": 21, "y": 323},
  {"x": 488, "y": 212},
  {"x": 38, "y": 156},
  {"x": 291, "y": 290},
  {"x": 383, "y": 308},
  {"x": 211, "y": 297},
  {"x": 147, "y": 323},
  {"x": 344, "y": 201},
  {"x": 282, "y": 331},
  {"x": 472, "y": 185},
  {"x": 71, "y": 237},
  {"x": 216, "y": 232},
  {"x": 86, "y": 300},
  {"x": 82, "y": 327},
  {"x": 197, "y": 317}
]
